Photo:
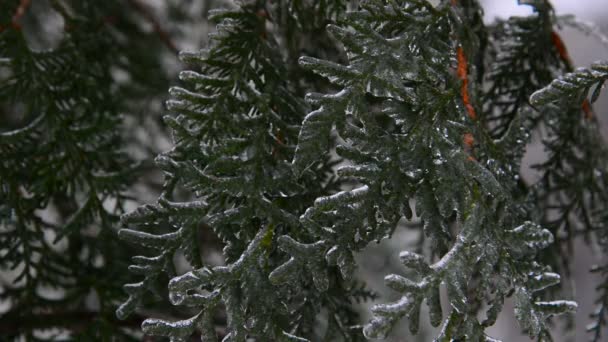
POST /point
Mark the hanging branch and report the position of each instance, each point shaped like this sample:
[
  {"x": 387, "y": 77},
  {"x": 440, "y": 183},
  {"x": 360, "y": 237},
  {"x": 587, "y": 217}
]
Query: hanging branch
[{"x": 560, "y": 46}]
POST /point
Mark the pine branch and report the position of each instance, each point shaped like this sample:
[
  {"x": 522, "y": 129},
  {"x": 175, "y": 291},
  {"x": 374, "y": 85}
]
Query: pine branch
[
  {"x": 427, "y": 109},
  {"x": 575, "y": 192},
  {"x": 371, "y": 113},
  {"x": 234, "y": 134},
  {"x": 528, "y": 44},
  {"x": 570, "y": 85},
  {"x": 65, "y": 172}
]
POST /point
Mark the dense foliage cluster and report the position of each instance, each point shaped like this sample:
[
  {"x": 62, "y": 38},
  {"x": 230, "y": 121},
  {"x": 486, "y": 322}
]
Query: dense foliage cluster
[
  {"x": 304, "y": 132},
  {"x": 75, "y": 77}
]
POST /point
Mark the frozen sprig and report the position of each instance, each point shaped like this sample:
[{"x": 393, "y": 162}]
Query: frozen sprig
[
  {"x": 431, "y": 123},
  {"x": 572, "y": 84}
]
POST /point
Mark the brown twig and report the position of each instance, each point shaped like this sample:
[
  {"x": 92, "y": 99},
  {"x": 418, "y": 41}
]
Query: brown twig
[
  {"x": 462, "y": 71},
  {"x": 162, "y": 34},
  {"x": 23, "y": 6},
  {"x": 463, "y": 75},
  {"x": 469, "y": 142}
]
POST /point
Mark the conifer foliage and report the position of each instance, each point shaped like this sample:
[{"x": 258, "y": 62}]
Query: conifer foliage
[
  {"x": 64, "y": 166},
  {"x": 235, "y": 131},
  {"x": 430, "y": 122},
  {"x": 304, "y": 132}
]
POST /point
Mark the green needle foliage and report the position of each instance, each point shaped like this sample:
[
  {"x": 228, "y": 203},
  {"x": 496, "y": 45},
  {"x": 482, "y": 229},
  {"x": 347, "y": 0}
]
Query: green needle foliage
[
  {"x": 64, "y": 167},
  {"x": 572, "y": 196},
  {"x": 430, "y": 113},
  {"x": 303, "y": 133},
  {"x": 404, "y": 137},
  {"x": 237, "y": 123}
]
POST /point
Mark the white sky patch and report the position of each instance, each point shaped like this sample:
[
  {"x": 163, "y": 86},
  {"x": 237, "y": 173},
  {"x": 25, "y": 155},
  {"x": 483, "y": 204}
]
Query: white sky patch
[{"x": 587, "y": 9}]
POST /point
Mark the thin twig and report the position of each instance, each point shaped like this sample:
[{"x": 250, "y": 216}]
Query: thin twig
[
  {"x": 23, "y": 6},
  {"x": 147, "y": 14},
  {"x": 562, "y": 51}
]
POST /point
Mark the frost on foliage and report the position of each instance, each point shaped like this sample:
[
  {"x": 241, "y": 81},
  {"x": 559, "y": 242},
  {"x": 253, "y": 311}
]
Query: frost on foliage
[
  {"x": 571, "y": 84},
  {"x": 302, "y": 256},
  {"x": 408, "y": 119},
  {"x": 402, "y": 130},
  {"x": 234, "y": 122},
  {"x": 527, "y": 43},
  {"x": 373, "y": 114},
  {"x": 450, "y": 269},
  {"x": 164, "y": 244},
  {"x": 577, "y": 194},
  {"x": 204, "y": 288},
  {"x": 453, "y": 272}
]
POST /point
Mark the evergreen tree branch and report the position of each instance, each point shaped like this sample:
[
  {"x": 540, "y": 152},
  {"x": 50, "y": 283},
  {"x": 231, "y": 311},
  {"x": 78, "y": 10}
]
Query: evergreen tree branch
[
  {"x": 570, "y": 85},
  {"x": 350, "y": 219},
  {"x": 234, "y": 135},
  {"x": 65, "y": 172}
]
